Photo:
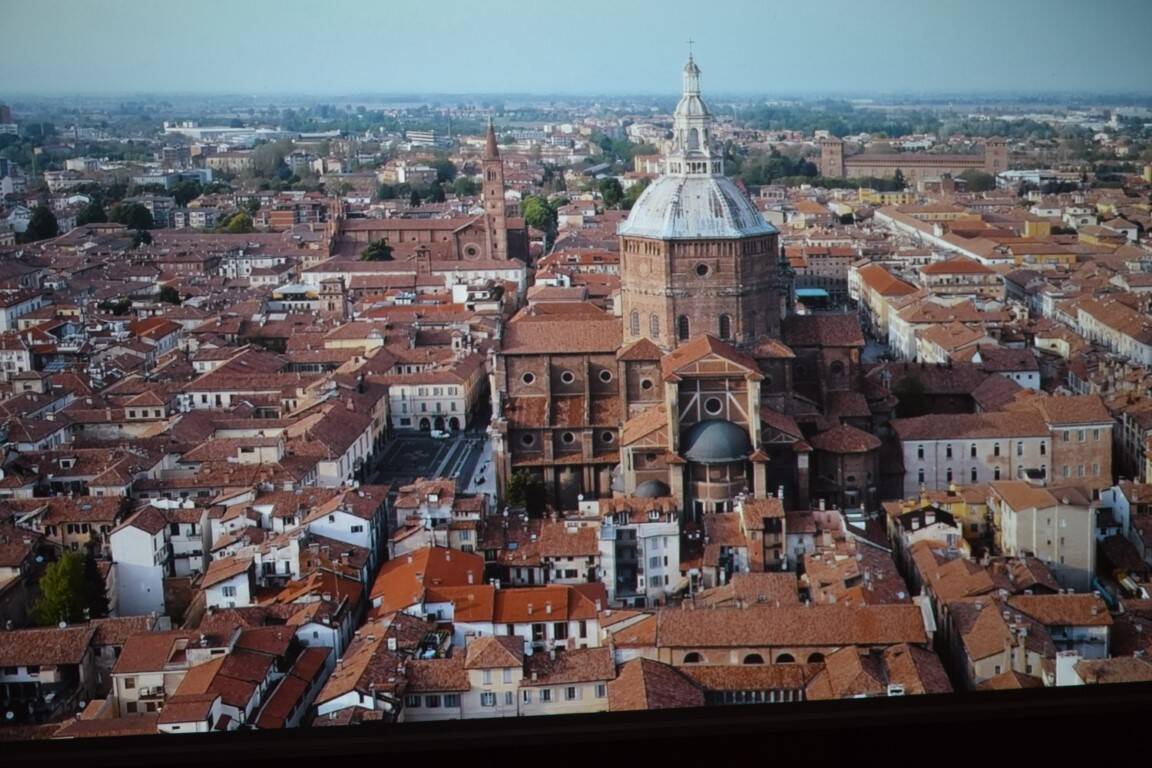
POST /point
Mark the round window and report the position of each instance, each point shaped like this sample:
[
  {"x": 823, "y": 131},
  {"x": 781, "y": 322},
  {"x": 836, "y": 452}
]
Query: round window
[
  {"x": 528, "y": 378},
  {"x": 567, "y": 438},
  {"x": 567, "y": 377},
  {"x": 607, "y": 437},
  {"x": 837, "y": 367},
  {"x": 702, "y": 270},
  {"x": 645, "y": 384},
  {"x": 605, "y": 376},
  {"x": 528, "y": 439},
  {"x": 713, "y": 405},
  {"x": 471, "y": 251}
]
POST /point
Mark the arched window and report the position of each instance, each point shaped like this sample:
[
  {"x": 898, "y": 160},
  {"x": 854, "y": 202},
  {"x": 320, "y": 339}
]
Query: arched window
[
  {"x": 694, "y": 138},
  {"x": 682, "y": 327},
  {"x": 815, "y": 658},
  {"x": 753, "y": 658},
  {"x": 785, "y": 658},
  {"x": 693, "y": 658},
  {"x": 725, "y": 327},
  {"x": 634, "y": 323},
  {"x": 653, "y": 325}
]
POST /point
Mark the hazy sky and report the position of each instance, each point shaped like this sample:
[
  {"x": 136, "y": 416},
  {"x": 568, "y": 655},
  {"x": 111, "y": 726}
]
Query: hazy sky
[{"x": 573, "y": 46}]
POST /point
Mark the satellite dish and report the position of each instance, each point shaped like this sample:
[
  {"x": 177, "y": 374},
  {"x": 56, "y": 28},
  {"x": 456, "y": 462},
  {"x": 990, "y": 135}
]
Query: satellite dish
[
  {"x": 9, "y": 715},
  {"x": 63, "y": 625}
]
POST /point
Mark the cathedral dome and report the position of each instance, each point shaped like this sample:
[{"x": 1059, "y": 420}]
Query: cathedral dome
[
  {"x": 688, "y": 207},
  {"x": 716, "y": 442}
]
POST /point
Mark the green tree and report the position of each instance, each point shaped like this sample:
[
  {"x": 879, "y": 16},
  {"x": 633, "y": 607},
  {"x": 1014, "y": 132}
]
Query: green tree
[
  {"x": 386, "y": 192},
  {"x": 465, "y": 187},
  {"x": 414, "y": 199},
  {"x": 141, "y": 237},
  {"x": 41, "y": 225},
  {"x": 611, "y": 191},
  {"x": 169, "y": 295},
  {"x": 64, "y": 592},
  {"x": 186, "y": 191},
  {"x": 436, "y": 194},
  {"x": 93, "y": 213},
  {"x": 131, "y": 215},
  {"x": 253, "y": 205},
  {"x": 633, "y": 193},
  {"x": 268, "y": 160},
  {"x": 526, "y": 490},
  {"x": 445, "y": 170},
  {"x": 238, "y": 223},
  {"x": 898, "y": 180},
  {"x": 377, "y": 251},
  {"x": 978, "y": 181},
  {"x": 538, "y": 213}
]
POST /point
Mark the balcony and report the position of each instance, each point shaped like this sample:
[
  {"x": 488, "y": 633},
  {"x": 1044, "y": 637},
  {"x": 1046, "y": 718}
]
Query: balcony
[{"x": 153, "y": 693}]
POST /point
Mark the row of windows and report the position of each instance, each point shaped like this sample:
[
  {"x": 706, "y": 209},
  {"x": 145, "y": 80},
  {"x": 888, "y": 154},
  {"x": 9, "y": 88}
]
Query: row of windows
[
  {"x": 695, "y": 657},
  {"x": 683, "y": 327},
  {"x": 567, "y": 438},
  {"x": 568, "y": 377},
  {"x": 972, "y": 450}
]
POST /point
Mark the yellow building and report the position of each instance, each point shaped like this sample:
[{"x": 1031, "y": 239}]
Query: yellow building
[
  {"x": 877, "y": 198},
  {"x": 967, "y": 503}
]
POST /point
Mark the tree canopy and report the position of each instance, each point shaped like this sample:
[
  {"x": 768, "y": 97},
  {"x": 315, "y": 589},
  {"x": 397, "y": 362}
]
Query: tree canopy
[
  {"x": 64, "y": 591},
  {"x": 42, "y": 224},
  {"x": 132, "y": 215},
  {"x": 465, "y": 187},
  {"x": 633, "y": 193},
  {"x": 93, "y": 213},
  {"x": 611, "y": 191},
  {"x": 978, "y": 181},
  {"x": 445, "y": 170},
  {"x": 238, "y": 223},
  {"x": 141, "y": 237},
  {"x": 539, "y": 214},
  {"x": 377, "y": 251}
]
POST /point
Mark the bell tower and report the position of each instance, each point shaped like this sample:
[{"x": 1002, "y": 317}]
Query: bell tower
[{"x": 492, "y": 193}]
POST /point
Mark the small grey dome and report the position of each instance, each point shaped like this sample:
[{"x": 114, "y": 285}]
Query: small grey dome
[
  {"x": 716, "y": 442},
  {"x": 653, "y": 489},
  {"x": 691, "y": 207}
]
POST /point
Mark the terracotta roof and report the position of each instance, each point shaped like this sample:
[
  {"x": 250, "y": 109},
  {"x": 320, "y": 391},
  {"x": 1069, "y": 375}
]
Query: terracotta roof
[
  {"x": 960, "y": 426},
  {"x": 768, "y": 626},
  {"x": 703, "y": 346},
  {"x": 1010, "y": 680},
  {"x": 844, "y": 438},
  {"x": 582, "y": 665},
  {"x": 647, "y": 684},
  {"x": 437, "y": 675},
  {"x": 225, "y": 568},
  {"x": 644, "y": 350},
  {"x": 1126, "y": 669},
  {"x": 401, "y": 582},
  {"x": 495, "y": 652},
  {"x": 751, "y": 677},
  {"x": 1083, "y": 610},
  {"x": 45, "y": 647},
  {"x": 138, "y": 725},
  {"x": 823, "y": 330}
]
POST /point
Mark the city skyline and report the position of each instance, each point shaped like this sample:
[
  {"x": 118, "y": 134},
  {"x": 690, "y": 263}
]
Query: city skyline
[{"x": 361, "y": 48}]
